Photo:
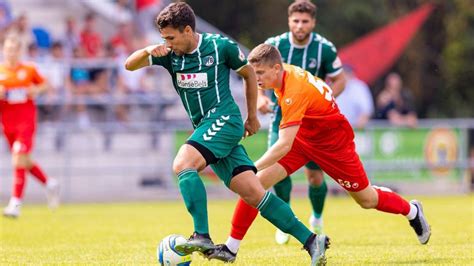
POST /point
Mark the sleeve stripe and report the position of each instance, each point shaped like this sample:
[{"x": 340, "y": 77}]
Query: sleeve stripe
[
  {"x": 240, "y": 68},
  {"x": 335, "y": 73},
  {"x": 150, "y": 60}
]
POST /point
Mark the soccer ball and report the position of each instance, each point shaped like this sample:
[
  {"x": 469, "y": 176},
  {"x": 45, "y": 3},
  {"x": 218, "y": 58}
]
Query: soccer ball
[{"x": 168, "y": 256}]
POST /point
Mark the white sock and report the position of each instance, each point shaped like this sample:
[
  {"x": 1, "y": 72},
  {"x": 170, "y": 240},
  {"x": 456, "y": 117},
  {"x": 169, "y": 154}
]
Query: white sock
[
  {"x": 413, "y": 211},
  {"x": 14, "y": 201},
  {"x": 233, "y": 244}
]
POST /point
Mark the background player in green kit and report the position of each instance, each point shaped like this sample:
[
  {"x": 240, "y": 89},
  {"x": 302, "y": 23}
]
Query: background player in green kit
[
  {"x": 309, "y": 50},
  {"x": 199, "y": 65}
]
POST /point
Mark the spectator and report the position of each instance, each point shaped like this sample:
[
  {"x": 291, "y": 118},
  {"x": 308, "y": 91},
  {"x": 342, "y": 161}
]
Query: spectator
[
  {"x": 71, "y": 38},
  {"x": 123, "y": 38},
  {"x": 396, "y": 103},
  {"x": 21, "y": 28},
  {"x": 91, "y": 40},
  {"x": 6, "y": 17},
  {"x": 79, "y": 86},
  {"x": 355, "y": 102}
]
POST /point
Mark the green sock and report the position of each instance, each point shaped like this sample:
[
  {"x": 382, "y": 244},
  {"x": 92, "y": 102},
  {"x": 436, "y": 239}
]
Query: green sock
[
  {"x": 283, "y": 189},
  {"x": 317, "y": 196},
  {"x": 194, "y": 195},
  {"x": 280, "y": 214}
]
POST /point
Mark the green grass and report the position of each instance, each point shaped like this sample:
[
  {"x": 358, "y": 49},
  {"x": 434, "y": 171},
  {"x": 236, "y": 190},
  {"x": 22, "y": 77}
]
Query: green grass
[{"x": 128, "y": 233}]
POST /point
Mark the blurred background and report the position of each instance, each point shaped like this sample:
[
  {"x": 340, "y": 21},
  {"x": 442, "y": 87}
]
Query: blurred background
[{"x": 108, "y": 134}]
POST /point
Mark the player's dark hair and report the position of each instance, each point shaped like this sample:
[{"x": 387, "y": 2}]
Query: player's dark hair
[
  {"x": 265, "y": 54},
  {"x": 302, "y": 6},
  {"x": 177, "y": 15}
]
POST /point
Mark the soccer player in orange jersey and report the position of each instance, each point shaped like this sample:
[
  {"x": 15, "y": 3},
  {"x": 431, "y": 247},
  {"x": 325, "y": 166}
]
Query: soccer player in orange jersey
[
  {"x": 312, "y": 128},
  {"x": 19, "y": 84}
]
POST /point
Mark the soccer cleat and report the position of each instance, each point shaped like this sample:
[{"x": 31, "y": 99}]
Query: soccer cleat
[
  {"x": 281, "y": 237},
  {"x": 12, "y": 210},
  {"x": 222, "y": 253},
  {"x": 196, "y": 242},
  {"x": 316, "y": 225},
  {"x": 52, "y": 193},
  {"x": 316, "y": 246},
  {"x": 420, "y": 225}
]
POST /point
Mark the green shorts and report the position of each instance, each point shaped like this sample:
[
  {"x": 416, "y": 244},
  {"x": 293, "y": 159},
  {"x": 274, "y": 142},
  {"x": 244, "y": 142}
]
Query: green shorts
[
  {"x": 217, "y": 138},
  {"x": 273, "y": 135}
]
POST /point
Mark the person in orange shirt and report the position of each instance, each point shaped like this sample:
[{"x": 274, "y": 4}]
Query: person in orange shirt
[
  {"x": 313, "y": 129},
  {"x": 19, "y": 84}
]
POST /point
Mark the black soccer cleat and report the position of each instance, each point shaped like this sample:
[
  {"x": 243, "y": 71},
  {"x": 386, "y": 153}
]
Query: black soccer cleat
[
  {"x": 196, "y": 242},
  {"x": 316, "y": 245},
  {"x": 419, "y": 224},
  {"x": 222, "y": 253}
]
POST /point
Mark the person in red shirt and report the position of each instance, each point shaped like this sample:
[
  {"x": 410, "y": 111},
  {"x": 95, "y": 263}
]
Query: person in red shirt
[
  {"x": 312, "y": 129},
  {"x": 19, "y": 84}
]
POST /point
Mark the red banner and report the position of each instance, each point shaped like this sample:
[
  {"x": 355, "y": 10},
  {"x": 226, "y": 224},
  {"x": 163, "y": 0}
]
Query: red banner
[{"x": 372, "y": 55}]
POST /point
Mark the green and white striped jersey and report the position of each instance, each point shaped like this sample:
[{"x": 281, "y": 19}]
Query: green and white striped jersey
[
  {"x": 318, "y": 56},
  {"x": 201, "y": 78}
]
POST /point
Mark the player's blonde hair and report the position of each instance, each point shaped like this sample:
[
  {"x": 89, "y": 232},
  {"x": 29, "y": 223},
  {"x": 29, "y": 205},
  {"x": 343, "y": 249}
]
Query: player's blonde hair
[{"x": 265, "y": 54}]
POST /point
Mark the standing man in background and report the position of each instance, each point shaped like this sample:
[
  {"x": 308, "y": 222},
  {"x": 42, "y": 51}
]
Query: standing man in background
[
  {"x": 309, "y": 50},
  {"x": 356, "y": 102},
  {"x": 20, "y": 83}
]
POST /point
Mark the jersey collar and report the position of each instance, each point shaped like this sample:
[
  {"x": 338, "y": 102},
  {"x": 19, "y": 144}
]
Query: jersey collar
[
  {"x": 199, "y": 44},
  {"x": 300, "y": 46}
]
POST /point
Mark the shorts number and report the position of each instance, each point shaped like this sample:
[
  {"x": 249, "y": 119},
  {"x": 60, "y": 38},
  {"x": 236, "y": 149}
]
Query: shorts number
[{"x": 344, "y": 183}]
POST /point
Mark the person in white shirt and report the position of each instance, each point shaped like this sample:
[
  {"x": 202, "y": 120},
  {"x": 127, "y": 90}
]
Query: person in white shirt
[{"x": 356, "y": 102}]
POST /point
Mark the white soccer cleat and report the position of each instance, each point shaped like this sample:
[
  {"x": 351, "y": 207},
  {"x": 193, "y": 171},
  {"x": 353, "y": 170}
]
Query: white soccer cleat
[
  {"x": 316, "y": 225},
  {"x": 420, "y": 225},
  {"x": 281, "y": 237},
  {"x": 52, "y": 193},
  {"x": 12, "y": 210}
]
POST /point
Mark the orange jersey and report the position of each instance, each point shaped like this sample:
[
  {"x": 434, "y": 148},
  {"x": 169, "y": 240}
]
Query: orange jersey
[
  {"x": 304, "y": 97},
  {"x": 17, "y": 107}
]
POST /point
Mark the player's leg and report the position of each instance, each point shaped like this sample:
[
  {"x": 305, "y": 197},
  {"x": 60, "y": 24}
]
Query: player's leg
[
  {"x": 279, "y": 213},
  {"x": 342, "y": 163},
  {"x": 283, "y": 188},
  {"x": 317, "y": 191},
  {"x": 188, "y": 162},
  {"x": 19, "y": 163},
  {"x": 271, "y": 207}
]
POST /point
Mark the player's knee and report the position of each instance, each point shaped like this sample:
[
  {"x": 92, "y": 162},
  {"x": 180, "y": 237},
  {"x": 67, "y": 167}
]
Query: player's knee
[
  {"x": 315, "y": 177},
  {"x": 253, "y": 195},
  {"x": 179, "y": 165}
]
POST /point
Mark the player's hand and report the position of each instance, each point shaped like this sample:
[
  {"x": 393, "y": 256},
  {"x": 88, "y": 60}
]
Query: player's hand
[
  {"x": 264, "y": 104},
  {"x": 252, "y": 125},
  {"x": 157, "y": 50}
]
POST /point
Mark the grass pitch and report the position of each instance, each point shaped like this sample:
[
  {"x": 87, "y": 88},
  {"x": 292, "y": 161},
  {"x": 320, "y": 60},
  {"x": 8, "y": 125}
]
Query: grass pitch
[{"x": 110, "y": 234}]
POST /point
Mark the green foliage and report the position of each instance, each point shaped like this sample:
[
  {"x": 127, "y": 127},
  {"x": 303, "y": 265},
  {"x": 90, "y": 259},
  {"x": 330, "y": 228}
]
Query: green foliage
[{"x": 128, "y": 234}]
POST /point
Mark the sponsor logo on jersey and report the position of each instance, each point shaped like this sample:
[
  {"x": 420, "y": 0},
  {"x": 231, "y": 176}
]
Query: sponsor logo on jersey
[
  {"x": 312, "y": 63},
  {"x": 191, "y": 80},
  {"x": 337, "y": 63},
  {"x": 209, "y": 60}
]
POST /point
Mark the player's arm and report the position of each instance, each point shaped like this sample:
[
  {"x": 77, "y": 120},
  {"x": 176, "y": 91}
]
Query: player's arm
[
  {"x": 252, "y": 125},
  {"x": 338, "y": 83},
  {"x": 2, "y": 92},
  {"x": 283, "y": 145},
  {"x": 141, "y": 58},
  {"x": 38, "y": 89}
]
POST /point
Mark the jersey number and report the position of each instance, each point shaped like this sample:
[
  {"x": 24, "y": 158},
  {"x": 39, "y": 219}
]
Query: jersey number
[{"x": 322, "y": 87}]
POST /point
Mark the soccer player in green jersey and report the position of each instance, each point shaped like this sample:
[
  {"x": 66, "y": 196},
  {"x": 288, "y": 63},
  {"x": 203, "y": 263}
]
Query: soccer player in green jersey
[
  {"x": 309, "y": 50},
  {"x": 199, "y": 65}
]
